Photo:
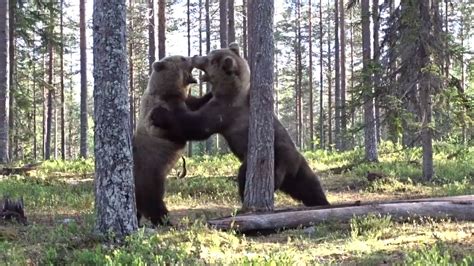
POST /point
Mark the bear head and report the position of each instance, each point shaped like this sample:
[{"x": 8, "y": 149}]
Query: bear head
[
  {"x": 171, "y": 76},
  {"x": 226, "y": 70}
]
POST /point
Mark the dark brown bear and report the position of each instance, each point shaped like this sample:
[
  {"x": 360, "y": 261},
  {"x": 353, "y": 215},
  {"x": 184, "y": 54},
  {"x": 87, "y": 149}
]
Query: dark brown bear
[
  {"x": 153, "y": 154},
  {"x": 227, "y": 113}
]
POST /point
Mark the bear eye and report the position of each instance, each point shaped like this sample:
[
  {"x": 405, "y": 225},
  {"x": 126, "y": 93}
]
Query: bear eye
[
  {"x": 214, "y": 61},
  {"x": 183, "y": 59}
]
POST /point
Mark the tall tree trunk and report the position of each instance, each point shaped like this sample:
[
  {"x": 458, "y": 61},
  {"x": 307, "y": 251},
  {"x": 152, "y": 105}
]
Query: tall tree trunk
[
  {"x": 259, "y": 185},
  {"x": 337, "y": 79},
  {"x": 370, "y": 139},
  {"x": 342, "y": 112},
  {"x": 4, "y": 81},
  {"x": 244, "y": 28},
  {"x": 50, "y": 90},
  {"x": 151, "y": 35},
  {"x": 45, "y": 108},
  {"x": 321, "y": 78},
  {"x": 223, "y": 5},
  {"x": 114, "y": 185},
  {"x": 352, "y": 77},
  {"x": 463, "y": 78},
  {"x": 231, "y": 29},
  {"x": 310, "y": 74},
  {"x": 330, "y": 141},
  {"x": 12, "y": 80},
  {"x": 35, "y": 144},
  {"x": 63, "y": 103},
  {"x": 299, "y": 75},
  {"x": 188, "y": 16},
  {"x": 131, "y": 79},
  {"x": 376, "y": 45},
  {"x": 161, "y": 29},
  {"x": 82, "y": 44},
  {"x": 208, "y": 49}
]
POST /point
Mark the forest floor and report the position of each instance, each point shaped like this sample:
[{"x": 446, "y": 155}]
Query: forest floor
[{"x": 59, "y": 202}]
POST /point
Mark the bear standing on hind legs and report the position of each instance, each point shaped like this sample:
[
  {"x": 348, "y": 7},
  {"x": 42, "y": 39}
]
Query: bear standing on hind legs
[
  {"x": 227, "y": 113},
  {"x": 154, "y": 155}
]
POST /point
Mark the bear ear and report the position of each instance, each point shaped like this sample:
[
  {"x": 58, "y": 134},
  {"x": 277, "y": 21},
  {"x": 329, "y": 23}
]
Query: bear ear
[
  {"x": 158, "y": 66},
  {"x": 228, "y": 65},
  {"x": 234, "y": 47}
]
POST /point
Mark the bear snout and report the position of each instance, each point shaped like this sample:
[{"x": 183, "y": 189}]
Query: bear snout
[{"x": 199, "y": 62}]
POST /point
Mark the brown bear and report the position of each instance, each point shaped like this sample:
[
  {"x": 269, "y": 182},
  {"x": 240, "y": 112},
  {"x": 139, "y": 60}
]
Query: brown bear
[
  {"x": 227, "y": 113},
  {"x": 153, "y": 154}
]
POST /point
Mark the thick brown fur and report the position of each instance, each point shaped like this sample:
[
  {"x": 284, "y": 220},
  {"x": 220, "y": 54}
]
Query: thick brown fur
[
  {"x": 154, "y": 155},
  {"x": 227, "y": 113}
]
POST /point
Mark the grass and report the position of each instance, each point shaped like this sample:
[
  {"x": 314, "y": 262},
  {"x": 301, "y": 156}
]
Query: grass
[{"x": 59, "y": 204}]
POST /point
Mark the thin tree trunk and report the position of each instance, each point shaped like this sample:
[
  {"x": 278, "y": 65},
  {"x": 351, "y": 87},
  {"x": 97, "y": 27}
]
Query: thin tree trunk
[
  {"x": 223, "y": 5},
  {"x": 208, "y": 49},
  {"x": 82, "y": 44},
  {"x": 337, "y": 79},
  {"x": 330, "y": 141},
  {"x": 376, "y": 45},
  {"x": 50, "y": 90},
  {"x": 310, "y": 74},
  {"x": 114, "y": 186},
  {"x": 151, "y": 35},
  {"x": 161, "y": 29},
  {"x": 342, "y": 112},
  {"x": 370, "y": 138},
  {"x": 4, "y": 81},
  {"x": 131, "y": 70},
  {"x": 244, "y": 28},
  {"x": 63, "y": 103},
  {"x": 352, "y": 77},
  {"x": 259, "y": 185},
  {"x": 188, "y": 15},
  {"x": 231, "y": 29},
  {"x": 45, "y": 101},
  {"x": 35, "y": 144},
  {"x": 321, "y": 78},
  {"x": 463, "y": 80}
]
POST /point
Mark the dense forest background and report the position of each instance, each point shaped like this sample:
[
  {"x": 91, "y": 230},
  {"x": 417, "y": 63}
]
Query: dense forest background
[{"x": 347, "y": 74}]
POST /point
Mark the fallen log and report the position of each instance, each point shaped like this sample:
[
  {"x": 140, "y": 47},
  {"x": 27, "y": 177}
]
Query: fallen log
[
  {"x": 19, "y": 170},
  {"x": 460, "y": 208}
]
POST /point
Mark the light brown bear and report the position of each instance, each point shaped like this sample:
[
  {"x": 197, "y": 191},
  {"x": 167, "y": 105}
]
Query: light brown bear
[
  {"x": 227, "y": 113},
  {"x": 153, "y": 154}
]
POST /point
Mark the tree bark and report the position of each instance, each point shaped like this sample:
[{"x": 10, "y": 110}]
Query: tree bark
[
  {"x": 63, "y": 103},
  {"x": 231, "y": 29},
  {"x": 370, "y": 139},
  {"x": 376, "y": 45},
  {"x": 330, "y": 141},
  {"x": 321, "y": 78},
  {"x": 4, "y": 81},
  {"x": 342, "y": 112},
  {"x": 151, "y": 35},
  {"x": 131, "y": 80},
  {"x": 259, "y": 185},
  {"x": 12, "y": 80},
  {"x": 208, "y": 49},
  {"x": 223, "y": 5},
  {"x": 337, "y": 79},
  {"x": 82, "y": 44},
  {"x": 50, "y": 91},
  {"x": 161, "y": 29},
  {"x": 114, "y": 186},
  {"x": 460, "y": 209},
  {"x": 188, "y": 22},
  {"x": 310, "y": 76},
  {"x": 244, "y": 29}
]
